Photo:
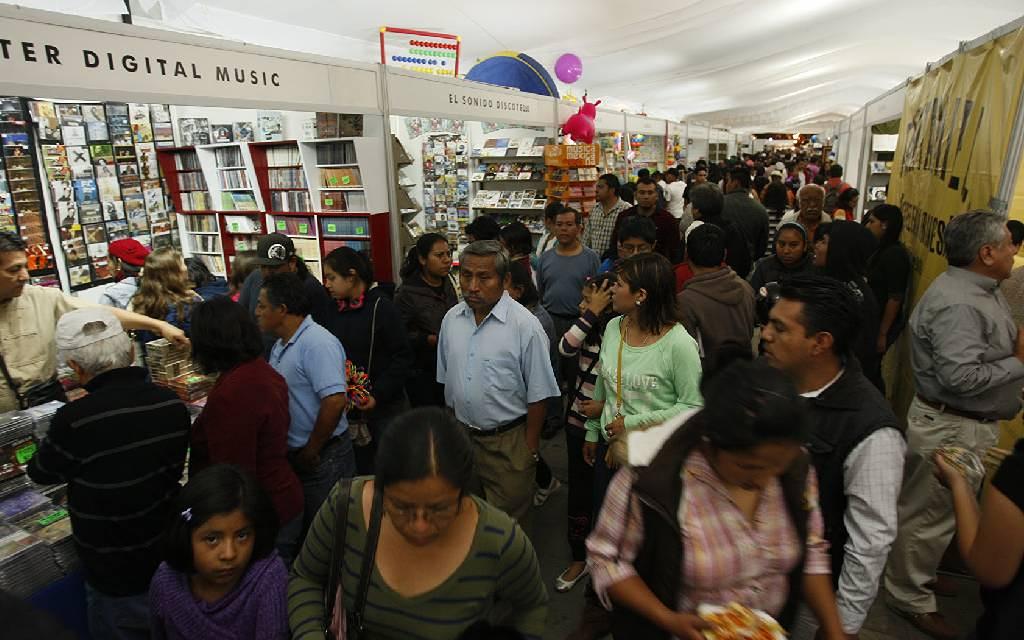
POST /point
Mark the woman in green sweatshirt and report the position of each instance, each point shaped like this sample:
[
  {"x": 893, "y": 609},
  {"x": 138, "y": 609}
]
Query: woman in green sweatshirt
[{"x": 650, "y": 366}]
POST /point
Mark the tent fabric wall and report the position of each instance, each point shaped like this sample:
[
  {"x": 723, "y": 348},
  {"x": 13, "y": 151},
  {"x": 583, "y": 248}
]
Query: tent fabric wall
[{"x": 953, "y": 147}]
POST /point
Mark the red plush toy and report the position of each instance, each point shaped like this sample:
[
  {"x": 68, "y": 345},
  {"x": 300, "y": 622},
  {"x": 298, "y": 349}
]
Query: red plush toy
[{"x": 580, "y": 125}]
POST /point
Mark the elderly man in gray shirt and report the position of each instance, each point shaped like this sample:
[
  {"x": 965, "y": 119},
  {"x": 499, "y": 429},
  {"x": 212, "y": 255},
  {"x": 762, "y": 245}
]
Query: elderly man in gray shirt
[{"x": 968, "y": 360}]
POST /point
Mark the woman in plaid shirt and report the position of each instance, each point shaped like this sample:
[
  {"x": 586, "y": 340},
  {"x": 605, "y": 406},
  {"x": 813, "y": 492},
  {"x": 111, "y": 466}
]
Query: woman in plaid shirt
[{"x": 726, "y": 510}]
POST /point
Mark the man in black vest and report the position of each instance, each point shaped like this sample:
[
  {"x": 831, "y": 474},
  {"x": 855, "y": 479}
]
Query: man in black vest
[{"x": 856, "y": 442}]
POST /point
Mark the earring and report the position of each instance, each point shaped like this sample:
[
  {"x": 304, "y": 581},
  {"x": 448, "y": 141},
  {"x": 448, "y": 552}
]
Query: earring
[{"x": 638, "y": 303}]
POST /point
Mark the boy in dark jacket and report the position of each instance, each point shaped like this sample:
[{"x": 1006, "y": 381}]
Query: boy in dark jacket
[{"x": 717, "y": 305}]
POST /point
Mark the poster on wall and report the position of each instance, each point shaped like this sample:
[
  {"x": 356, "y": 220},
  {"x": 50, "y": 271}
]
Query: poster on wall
[{"x": 953, "y": 143}]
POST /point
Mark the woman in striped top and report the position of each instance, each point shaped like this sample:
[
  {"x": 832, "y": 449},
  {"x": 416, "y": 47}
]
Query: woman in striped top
[
  {"x": 583, "y": 339},
  {"x": 443, "y": 556}
]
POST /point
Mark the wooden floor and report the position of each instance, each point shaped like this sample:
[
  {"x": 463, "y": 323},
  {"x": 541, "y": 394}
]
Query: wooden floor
[{"x": 547, "y": 525}]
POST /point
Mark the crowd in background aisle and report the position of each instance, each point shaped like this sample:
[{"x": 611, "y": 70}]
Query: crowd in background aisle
[{"x": 711, "y": 355}]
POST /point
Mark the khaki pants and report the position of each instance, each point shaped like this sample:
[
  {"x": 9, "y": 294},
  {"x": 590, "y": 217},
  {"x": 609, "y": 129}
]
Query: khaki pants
[
  {"x": 505, "y": 470},
  {"x": 926, "y": 521}
]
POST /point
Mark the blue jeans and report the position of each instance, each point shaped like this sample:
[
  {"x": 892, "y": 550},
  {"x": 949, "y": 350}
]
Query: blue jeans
[
  {"x": 337, "y": 461},
  {"x": 117, "y": 617},
  {"x": 289, "y": 537}
]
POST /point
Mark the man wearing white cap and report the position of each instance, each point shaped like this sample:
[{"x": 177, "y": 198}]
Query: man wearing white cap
[
  {"x": 28, "y": 315},
  {"x": 121, "y": 449}
]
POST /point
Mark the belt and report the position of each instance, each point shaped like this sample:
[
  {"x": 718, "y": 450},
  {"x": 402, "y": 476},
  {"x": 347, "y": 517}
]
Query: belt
[
  {"x": 501, "y": 428},
  {"x": 953, "y": 411},
  {"x": 330, "y": 441}
]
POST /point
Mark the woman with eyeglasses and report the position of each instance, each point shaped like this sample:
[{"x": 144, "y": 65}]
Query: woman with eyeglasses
[{"x": 440, "y": 558}]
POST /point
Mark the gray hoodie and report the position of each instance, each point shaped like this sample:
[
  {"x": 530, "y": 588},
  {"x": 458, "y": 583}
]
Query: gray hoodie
[{"x": 718, "y": 307}]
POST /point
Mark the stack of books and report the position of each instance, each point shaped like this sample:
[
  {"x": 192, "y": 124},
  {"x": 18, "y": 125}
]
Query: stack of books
[
  {"x": 26, "y": 562},
  {"x": 52, "y": 525}
]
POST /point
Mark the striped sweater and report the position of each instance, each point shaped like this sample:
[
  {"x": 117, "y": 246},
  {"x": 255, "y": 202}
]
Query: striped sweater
[
  {"x": 500, "y": 565},
  {"x": 575, "y": 342}
]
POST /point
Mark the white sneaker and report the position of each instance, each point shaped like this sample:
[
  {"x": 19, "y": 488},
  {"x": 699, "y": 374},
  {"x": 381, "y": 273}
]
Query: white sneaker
[{"x": 543, "y": 493}]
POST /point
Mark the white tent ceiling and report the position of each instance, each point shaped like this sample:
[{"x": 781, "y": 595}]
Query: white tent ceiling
[{"x": 768, "y": 65}]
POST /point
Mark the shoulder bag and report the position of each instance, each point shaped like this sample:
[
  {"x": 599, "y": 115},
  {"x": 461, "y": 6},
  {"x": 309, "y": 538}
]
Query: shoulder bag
[
  {"x": 36, "y": 394},
  {"x": 338, "y": 623},
  {"x": 359, "y": 428}
]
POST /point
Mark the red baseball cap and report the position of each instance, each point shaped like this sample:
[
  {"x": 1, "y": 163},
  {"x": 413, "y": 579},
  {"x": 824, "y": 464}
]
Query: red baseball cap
[{"x": 129, "y": 251}]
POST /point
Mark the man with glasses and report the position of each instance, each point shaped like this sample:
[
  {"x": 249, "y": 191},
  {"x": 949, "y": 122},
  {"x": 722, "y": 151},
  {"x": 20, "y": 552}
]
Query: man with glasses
[
  {"x": 637, "y": 235},
  {"x": 667, "y": 226}
]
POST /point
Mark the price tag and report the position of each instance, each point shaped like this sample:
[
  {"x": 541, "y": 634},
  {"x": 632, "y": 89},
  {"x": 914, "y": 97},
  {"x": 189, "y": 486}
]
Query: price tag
[
  {"x": 332, "y": 228},
  {"x": 282, "y": 225},
  {"x": 303, "y": 228},
  {"x": 360, "y": 231},
  {"x": 346, "y": 179},
  {"x": 46, "y": 521},
  {"x": 332, "y": 180},
  {"x": 25, "y": 452},
  {"x": 329, "y": 202}
]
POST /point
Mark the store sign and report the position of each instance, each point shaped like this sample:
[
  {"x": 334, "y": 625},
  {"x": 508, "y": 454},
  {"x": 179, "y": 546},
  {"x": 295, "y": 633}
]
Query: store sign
[
  {"x": 57, "y": 61},
  {"x": 415, "y": 96}
]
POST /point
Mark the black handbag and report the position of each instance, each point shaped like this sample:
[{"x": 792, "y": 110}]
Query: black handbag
[
  {"x": 354, "y": 628},
  {"x": 36, "y": 394}
]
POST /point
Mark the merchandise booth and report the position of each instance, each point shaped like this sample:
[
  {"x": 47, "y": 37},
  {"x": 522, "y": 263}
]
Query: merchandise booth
[
  {"x": 113, "y": 131},
  {"x": 646, "y": 143},
  {"x": 183, "y": 141},
  {"x": 466, "y": 149},
  {"x": 675, "y": 144},
  {"x": 865, "y": 145}
]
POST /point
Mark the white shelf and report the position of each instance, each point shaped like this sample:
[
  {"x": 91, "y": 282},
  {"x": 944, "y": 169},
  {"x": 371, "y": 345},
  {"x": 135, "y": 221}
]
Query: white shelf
[
  {"x": 342, "y": 189},
  {"x": 228, "y": 168},
  {"x": 331, "y": 166},
  {"x": 297, "y": 237},
  {"x": 202, "y": 233},
  {"x": 237, "y": 189}
]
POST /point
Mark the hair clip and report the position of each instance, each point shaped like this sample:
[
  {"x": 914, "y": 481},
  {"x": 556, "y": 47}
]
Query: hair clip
[{"x": 186, "y": 515}]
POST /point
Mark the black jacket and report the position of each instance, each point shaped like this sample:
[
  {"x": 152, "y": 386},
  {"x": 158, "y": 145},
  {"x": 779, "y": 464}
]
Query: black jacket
[
  {"x": 659, "y": 488},
  {"x": 751, "y": 217},
  {"x": 121, "y": 449},
  {"x": 771, "y": 269},
  {"x": 841, "y": 418},
  {"x": 737, "y": 251},
  {"x": 392, "y": 357},
  {"x": 422, "y": 308}
]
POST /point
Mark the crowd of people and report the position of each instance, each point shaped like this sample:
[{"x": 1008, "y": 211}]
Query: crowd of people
[{"x": 711, "y": 355}]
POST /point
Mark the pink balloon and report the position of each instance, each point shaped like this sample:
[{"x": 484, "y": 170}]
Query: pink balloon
[{"x": 568, "y": 68}]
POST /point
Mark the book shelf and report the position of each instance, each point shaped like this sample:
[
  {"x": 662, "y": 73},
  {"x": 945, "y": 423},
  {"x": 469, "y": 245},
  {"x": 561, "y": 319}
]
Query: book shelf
[
  {"x": 880, "y": 162},
  {"x": 281, "y": 176},
  {"x": 508, "y": 181},
  {"x": 21, "y": 202},
  {"x": 572, "y": 172}
]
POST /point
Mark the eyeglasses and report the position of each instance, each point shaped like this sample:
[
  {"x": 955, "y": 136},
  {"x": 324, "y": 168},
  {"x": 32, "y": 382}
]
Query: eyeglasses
[{"x": 433, "y": 514}]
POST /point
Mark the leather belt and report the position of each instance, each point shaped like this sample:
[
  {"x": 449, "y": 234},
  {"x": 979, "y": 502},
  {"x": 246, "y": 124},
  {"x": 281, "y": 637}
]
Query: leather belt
[
  {"x": 953, "y": 411},
  {"x": 477, "y": 432}
]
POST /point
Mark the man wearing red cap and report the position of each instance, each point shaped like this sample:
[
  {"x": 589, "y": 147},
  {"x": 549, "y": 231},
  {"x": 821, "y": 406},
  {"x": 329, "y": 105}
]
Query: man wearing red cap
[
  {"x": 127, "y": 256},
  {"x": 28, "y": 322}
]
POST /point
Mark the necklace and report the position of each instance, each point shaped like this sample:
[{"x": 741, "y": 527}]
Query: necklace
[{"x": 618, "y": 378}]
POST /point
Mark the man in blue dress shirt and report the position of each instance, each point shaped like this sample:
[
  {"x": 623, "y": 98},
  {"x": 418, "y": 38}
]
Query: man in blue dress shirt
[
  {"x": 312, "y": 362},
  {"x": 494, "y": 362}
]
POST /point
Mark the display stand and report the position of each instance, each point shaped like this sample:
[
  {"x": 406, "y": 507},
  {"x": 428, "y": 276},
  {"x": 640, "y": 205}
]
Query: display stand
[
  {"x": 646, "y": 143},
  {"x": 572, "y": 175},
  {"x": 508, "y": 176},
  {"x": 879, "y": 168},
  {"x": 21, "y": 202}
]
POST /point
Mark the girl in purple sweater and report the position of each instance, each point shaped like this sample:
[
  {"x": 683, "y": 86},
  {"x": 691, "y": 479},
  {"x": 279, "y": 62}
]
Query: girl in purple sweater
[{"x": 221, "y": 577}]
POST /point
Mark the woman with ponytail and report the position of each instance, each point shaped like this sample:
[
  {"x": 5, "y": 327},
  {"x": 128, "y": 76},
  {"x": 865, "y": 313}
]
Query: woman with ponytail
[
  {"x": 368, "y": 325},
  {"x": 426, "y": 295}
]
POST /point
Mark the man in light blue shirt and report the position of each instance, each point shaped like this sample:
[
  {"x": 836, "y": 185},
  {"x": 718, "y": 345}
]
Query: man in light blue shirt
[
  {"x": 312, "y": 362},
  {"x": 494, "y": 361}
]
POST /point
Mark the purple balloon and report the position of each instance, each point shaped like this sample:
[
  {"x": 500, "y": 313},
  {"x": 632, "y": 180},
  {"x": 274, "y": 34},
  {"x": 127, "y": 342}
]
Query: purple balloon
[{"x": 568, "y": 68}]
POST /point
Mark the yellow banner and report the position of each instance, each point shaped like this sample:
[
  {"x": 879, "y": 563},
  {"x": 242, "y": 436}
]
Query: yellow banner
[{"x": 952, "y": 148}]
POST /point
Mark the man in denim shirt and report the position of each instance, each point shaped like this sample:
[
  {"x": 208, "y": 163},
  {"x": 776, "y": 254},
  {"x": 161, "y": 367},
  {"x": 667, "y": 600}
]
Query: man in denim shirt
[
  {"x": 493, "y": 359},
  {"x": 312, "y": 361}
]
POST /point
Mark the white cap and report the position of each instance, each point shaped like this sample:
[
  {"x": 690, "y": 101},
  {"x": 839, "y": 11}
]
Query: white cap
[{"x": 82, "y": 327}]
